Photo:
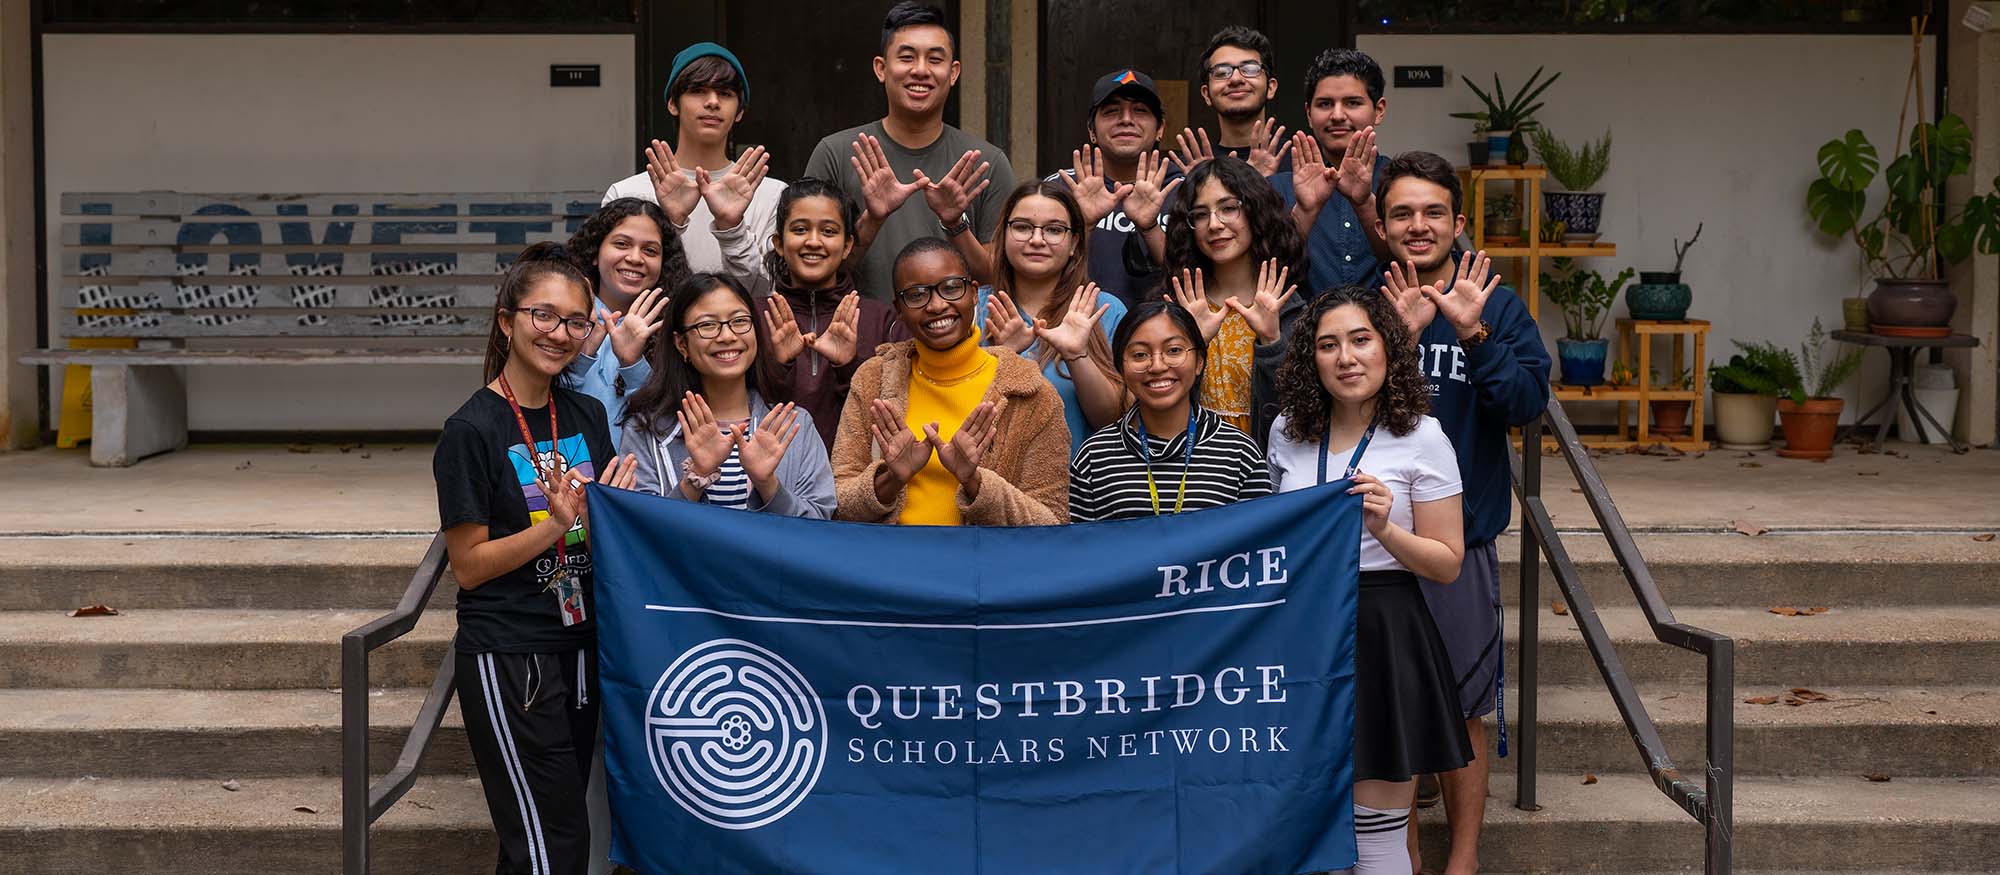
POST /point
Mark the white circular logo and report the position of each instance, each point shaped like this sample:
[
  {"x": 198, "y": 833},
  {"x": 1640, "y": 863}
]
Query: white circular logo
[{"x": 735, "y": 733}]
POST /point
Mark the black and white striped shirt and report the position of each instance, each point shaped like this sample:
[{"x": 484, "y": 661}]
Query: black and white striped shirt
[{"x": 1107, "y": 477}]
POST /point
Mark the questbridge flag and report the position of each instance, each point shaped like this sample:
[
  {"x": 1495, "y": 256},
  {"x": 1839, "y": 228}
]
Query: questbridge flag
[{"x": 1166, "y": 695}]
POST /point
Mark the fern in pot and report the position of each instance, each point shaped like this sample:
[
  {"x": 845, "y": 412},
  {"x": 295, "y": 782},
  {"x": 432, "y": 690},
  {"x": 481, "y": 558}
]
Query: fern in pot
[
  {"x": 1746, "y": 396},
  {"x": 1579, "y": 205},
  {"x": 1585, "y": 299},
  {"x": 1807, "y": 409}
]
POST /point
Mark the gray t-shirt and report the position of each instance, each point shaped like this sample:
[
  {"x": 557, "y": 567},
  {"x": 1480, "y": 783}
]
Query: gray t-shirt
[{"x": 914, "y": 219}]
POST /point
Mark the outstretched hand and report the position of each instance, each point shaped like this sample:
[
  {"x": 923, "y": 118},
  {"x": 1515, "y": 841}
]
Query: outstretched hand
[
  {"x": 881, "y": 192},
  {"x": 1267, "y": 146},
  {"x": 1071, "y": 337},
  {"x": 1406, "y": 292},
  {"x": 1188, "y": 293},
  {"x": 951, "y": 196},
  {"x": 1273, "y": 291},
  {"x": 961, "y": 454},
  {"x": 630, "y": 331},
  {"x": 1147, "y": 195},
  {"x": 903, "y": 453},
  {"x": 676, "y": 192},
  {"x": 729, "y": 195},
  {"x": 1474, "y": 285},
  {"x": 1096, "y": 194}
]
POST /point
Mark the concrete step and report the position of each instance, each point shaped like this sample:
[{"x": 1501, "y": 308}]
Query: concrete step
[
  {"x": 208, "y": 649},
  {"x": 1875, "y": 646},
  {"x": 1619, "y": 824},
  {"x": 239, "y": 572},
  {"x": 207, "y": 733},
  {"x": 1941, "y": 732},
  {"x": 1835, "y": 570}
]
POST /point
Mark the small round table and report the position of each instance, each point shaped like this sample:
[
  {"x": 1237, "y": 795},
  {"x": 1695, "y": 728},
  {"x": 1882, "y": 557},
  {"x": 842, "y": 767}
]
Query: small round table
[{"x": 1902, "y": 363}]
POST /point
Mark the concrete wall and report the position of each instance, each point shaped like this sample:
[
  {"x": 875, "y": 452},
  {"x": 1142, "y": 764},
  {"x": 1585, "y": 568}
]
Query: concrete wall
[
  {"x": 18, "y": 402},
  {"x": 320, "y": 113},
  {"x": 1714, "y": 129},
  {"x": 1975, "y": 95}
]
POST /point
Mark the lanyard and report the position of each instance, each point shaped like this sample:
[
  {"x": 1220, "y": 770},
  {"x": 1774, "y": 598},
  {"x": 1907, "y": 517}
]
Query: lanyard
[
  {"x": 1187, "y": 460},
  {"x": 1354, "y": 462},
  {"x": 555, "y": 471}
]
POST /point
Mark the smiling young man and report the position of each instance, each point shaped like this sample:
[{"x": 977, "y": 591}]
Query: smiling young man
[
  {"x": 1127, "y": 244},
  {"x": 1332, "y": 198},
  {"x": 1238, "y": 80},
  {"x": 911, "y": 151},
  {"x": 1488, "y": 370}
]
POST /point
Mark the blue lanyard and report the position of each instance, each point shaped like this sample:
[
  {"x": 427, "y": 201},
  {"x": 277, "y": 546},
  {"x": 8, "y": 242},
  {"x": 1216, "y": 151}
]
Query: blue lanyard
[
  {"x": 1187, "y": 457},
  {"x": 1354, "y": 462}
]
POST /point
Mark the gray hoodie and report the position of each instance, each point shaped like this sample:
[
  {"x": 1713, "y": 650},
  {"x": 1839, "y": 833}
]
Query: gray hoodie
[{"x": 805, "y": 478}]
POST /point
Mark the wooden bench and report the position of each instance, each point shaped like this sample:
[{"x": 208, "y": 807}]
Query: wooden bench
[{"x": 314, "y": 277}]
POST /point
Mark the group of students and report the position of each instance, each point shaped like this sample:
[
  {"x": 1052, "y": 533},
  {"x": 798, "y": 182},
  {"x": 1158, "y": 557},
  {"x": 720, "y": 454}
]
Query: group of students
[{"x": 1125, "y": 338}]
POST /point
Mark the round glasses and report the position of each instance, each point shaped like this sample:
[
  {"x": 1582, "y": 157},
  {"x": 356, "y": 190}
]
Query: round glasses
[
  {"x": 545, "y": 321},
  {"x": 918, "y": 297},
  {"x": 710, "y": 329}
]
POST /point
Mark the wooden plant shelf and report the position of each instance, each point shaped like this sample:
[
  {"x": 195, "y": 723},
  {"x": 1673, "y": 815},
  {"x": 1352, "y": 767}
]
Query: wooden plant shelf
[
  {"x": 1527, "y": 184},
  {"x": 1620, "y": 393},
  {"x": 1635, "y": 348}
]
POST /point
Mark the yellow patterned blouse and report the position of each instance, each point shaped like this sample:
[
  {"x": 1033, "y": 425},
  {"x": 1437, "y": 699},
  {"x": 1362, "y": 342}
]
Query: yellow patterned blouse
[{"x": 1225, "y": 384}]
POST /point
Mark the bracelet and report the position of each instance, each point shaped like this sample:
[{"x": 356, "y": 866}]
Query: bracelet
[{"x": 701, "y": 482}]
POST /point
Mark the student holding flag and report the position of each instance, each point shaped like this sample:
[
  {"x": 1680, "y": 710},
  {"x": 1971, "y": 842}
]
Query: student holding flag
[
  {"x": 1166, "y": 454},
  {"x": 1354, "y": 400}
]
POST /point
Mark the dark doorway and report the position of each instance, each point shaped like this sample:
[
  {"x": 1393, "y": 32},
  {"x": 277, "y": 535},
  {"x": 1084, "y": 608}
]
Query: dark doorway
[{"x": 809, "y": 66}]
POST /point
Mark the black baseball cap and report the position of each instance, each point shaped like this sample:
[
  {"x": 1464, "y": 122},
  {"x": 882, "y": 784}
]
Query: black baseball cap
[{"x": 1127, "y": 83}]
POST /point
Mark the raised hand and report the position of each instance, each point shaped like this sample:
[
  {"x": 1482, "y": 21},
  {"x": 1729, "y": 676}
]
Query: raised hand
[
  {"x": 675, "y": 191},
  {"x": 729, "y": 195},
  {"x": 1357, "y": 167},
  {"x": 630, "y": 333},
  {"x": 1404, "y": 290},
  {"x": 1006, "y": 325},
  {"x": 1376, "y": 501},
  {"x": 1267, "y": 146},
  {"x": 565, "y": 497},
  {"x": 1148, "y": 194},
  {"x": 622, "y": 472},
  {"x": 707, "y": 444},
  {"x": 1096, "y": 195},
  {"x": 1312, "y": 181},
  {"x": 1188, "y": 293},
  {"x": 760, "y": 452},
  {"x": 951, "y": 196},
  {"x": 836, "y": 344},
  {"x": 1194, "y": 148},
  {"x": 881, "y": 192},
  {"x": 1071, "y": 337},
  {"x": 781, "y": 330},
  {"x": 902, "y": 452},
  {"x": 968, "y": 445},
  {"x": 1272, "y": 293},
  {"x": 1475, "y": 284}
]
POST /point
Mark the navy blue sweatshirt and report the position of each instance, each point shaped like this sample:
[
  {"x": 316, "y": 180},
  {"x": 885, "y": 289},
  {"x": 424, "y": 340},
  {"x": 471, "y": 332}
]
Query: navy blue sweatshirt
[{"x": 1477, "y": 394}]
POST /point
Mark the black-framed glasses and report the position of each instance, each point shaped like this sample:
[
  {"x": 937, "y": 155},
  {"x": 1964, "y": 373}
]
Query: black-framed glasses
[
  {"x": 1023, "y": 231},
  {"x": 710, "y": 329},
  {"x": 545, "y": 321},
  {"x": 1249, "y": 69},
  {"x": 950, "y": 288},
  {"x": 1174, "y": 355}
]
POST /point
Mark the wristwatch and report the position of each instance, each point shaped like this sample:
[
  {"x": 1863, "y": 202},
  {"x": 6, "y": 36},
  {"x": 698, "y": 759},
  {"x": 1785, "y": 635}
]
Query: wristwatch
[
  {"x": 1478, "y": 337},
  {"x": 954, "y": 229}
]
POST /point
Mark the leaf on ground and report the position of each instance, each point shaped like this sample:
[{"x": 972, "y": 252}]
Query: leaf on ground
[
  {"x": 1787, "y": 611},
  {"x": 306, "y": 808},
  {"x": 1589, "y": 779},
  {"x": 298, "y": 448},
  {"x": 1748, "y": 528},
  {"x": 231, "y": 785},
  {"x": 368, "y": 455},
  {"x": 1803, "y": 696},
  {"x": 347, "y": 448},
  {"x": 1559, "y": 608},
  {"x": 1983, "y": 538},
  {"x": 1749, "y": 464},
  {"x": 99, "y": 610},
  {"x": 1876, "y": 778},
  {"x": 1867, "y": 473},
  {"x": 1931, "y": 711},
  {"x": 1761, "y": 700}
]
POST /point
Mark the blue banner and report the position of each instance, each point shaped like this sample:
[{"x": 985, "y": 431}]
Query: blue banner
[{"x": 1167, "y": 695}]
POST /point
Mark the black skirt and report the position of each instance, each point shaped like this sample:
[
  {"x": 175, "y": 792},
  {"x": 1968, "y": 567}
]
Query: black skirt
[{"x": 1406, "y": 717}]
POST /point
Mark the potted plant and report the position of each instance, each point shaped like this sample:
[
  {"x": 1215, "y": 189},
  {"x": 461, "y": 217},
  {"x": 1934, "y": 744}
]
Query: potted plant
[
  {"x": 1660, "y": 294},
  {"x": 1579, "y": 205},
  {"x": 1505, "y": 116},
  {"x": 1746, "y": 396},
  {"x": 1670, "y": 418},
  {"x": 1807, "y": 411},
  {"x": 1621, "y": 373},
  {"x": 1479, "y": 152},
  {"x": 1585, "y": 299},
  {"x": 1503, "y": 220}
]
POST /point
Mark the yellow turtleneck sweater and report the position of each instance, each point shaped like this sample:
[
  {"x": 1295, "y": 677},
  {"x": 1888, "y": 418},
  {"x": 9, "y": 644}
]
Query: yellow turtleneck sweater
[{"x": 944, "y": 387}]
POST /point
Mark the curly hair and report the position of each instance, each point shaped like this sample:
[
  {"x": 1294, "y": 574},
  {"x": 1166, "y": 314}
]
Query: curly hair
[
  {"x": 1308, "y": 407},
  {"x": 1272, "y": 234},
  {"x": 584, "y": 243}
]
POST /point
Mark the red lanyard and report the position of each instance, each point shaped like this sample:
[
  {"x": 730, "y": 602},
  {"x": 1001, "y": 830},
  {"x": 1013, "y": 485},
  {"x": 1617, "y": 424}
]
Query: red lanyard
[{"x": 555, "y": 472}]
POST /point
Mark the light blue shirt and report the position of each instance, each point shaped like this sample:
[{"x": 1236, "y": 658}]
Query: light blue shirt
[
  {"x": 600, "y": 377},
  {"x": 1079, "y": 430}
]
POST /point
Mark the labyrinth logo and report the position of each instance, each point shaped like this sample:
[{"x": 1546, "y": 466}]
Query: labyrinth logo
[{"x": 735, "y": 734}]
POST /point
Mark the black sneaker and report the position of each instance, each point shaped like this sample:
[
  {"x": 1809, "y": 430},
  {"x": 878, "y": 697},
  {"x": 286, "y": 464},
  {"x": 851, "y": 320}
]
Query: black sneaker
[{"x": 1430, "y": 791}]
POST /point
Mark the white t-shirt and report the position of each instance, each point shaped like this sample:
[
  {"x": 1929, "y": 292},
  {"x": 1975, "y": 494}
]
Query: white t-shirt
[
  {"x": 1419, "y": 466},
  {"x": 738, "y": 251}
]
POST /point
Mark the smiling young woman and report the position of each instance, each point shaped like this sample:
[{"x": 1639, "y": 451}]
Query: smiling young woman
[{"x": 629, "y": 257}]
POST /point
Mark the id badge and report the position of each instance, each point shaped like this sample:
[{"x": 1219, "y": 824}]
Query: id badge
[{"x": 569, "y": 597}]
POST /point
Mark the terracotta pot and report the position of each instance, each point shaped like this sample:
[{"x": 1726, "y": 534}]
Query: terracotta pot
[
  {"x": 1911, "y": 307},
  {"x": 1743, "y": 421},
  {"x": 1809, "y": 427},
  {"x": 1670, "y": 418}
]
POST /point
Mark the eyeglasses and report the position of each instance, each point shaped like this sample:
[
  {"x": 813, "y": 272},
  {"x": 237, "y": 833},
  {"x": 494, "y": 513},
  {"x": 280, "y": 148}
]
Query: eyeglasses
[
  {"x": 1229, "y": 210},
  {"x": 917, "y": 297},
  {"x": 1174, "y": 356},
  {"x": 545, "y": 321},
  {"x": 1023, "y": 231},
  {"x": 1249, "y": 69},
  {"x": 710, "y": 329}
]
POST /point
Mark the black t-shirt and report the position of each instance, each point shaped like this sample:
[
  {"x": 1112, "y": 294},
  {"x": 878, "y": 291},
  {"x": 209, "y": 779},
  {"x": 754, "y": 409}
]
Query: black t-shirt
[
  {"x": 485, "y": 475},
  {"x": 1120, "y": 262}
]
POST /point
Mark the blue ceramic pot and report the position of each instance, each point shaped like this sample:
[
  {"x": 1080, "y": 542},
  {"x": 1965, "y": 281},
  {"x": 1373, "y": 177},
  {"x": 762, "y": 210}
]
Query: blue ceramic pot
[
  {"x": 1582, "y": 361},
  {"x": 1496, "y": 143},
  {"x": 1662, "y": 301},
  {"x": 1579, "y": 211}
]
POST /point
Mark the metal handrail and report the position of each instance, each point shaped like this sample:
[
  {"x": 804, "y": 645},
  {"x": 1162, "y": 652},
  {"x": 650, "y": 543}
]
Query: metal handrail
[
  {"x": 1710, "y": 802},
  {"x": 361, "y": 803}
]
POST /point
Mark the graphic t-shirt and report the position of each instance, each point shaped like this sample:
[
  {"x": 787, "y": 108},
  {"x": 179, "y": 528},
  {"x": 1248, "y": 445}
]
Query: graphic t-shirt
[
  {"x": 1120, "y": 263},
  {"x": 486, "y": 474}
]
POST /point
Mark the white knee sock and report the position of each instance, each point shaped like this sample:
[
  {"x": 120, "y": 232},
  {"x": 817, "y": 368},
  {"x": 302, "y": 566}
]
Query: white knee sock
[{"x": 1381, "y": 836}]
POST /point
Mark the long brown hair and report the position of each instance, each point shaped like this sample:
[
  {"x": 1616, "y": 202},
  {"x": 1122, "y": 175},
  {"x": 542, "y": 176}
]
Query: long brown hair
[
  {"x": 1404, "y": 397},
  {"x": 653, "y": 406},
  {"x": 534, "y": 262},
  {"x": 1075, "y": 272}
]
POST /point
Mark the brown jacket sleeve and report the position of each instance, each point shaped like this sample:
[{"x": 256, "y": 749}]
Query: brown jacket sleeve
[
  {"x": 854, "y": 457},
  {"x": 1027, "y": 484}
]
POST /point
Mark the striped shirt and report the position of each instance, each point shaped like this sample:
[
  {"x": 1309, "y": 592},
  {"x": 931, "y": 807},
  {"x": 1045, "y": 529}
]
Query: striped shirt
[
  {"x": 732, "y": 485},
  {"x": 1107, "y": 478}
]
